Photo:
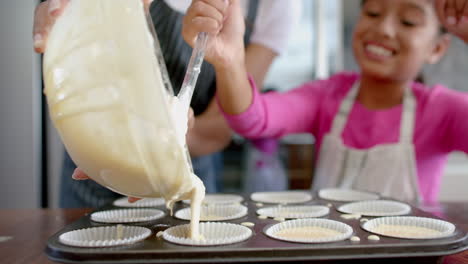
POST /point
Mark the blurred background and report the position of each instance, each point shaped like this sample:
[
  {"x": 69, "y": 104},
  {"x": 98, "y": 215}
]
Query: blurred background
[{"x": 31, "y": 152}]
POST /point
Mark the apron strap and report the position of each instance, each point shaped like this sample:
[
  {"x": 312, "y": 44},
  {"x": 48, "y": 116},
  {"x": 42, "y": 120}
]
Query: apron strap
[
  {"x": 341, "y": 117},
  {"x": 408, "y": 117}
]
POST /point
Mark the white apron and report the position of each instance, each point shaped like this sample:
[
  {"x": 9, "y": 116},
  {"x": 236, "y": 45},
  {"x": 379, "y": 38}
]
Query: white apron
[{"x": 387, "y": 169}]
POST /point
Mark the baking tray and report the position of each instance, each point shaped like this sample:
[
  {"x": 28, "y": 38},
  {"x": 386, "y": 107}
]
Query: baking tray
[{"x": 260, "y": 248}]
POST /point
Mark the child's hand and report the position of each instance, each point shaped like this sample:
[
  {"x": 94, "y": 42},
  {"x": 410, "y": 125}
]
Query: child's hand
[
  {"x": 224, "y": 22},
  {"x": 453, "y": 14},
  {"x": 44, "y": 19}
]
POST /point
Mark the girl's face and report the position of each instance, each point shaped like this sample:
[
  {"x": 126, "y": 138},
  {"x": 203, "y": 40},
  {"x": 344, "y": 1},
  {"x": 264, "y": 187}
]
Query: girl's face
[{"x": 393, "y": 39}]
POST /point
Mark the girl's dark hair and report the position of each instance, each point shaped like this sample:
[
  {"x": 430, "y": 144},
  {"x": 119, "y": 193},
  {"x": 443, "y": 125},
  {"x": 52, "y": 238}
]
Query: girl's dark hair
[{"x": 420, "y": 78}]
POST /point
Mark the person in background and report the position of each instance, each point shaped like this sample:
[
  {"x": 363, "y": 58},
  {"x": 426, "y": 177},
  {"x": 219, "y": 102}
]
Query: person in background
[
  {"x": 376, "y": 130},
  {"x": 269, "y": 24}
]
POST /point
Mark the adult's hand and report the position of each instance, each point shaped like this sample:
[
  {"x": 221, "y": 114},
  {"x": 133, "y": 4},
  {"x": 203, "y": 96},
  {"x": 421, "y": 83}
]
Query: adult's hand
[{"x": 44, "y": 19}]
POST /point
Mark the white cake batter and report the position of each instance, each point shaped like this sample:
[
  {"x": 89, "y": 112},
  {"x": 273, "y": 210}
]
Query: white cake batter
[{"x": 107, "y": 99}]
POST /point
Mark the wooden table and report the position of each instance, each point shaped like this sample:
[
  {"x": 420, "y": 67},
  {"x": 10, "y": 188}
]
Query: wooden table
[{"x": 24, "y": 233}]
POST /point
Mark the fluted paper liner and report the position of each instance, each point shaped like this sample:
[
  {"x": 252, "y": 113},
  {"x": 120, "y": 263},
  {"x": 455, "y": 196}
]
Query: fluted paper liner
[
  {"x": 213, "y": 234},
  {"x": 146, "y": 202},
  {"x": 215, "y": 212},
  {"x": 376, "y": 208},
  {"x": 287, "y": 197},
  {"x": 295, "y": 212},
  {"x": 220, "y": 198},
  {"x": 127, "y": 215},
  {"x": 410, "y": 227},
  {"x": 346, "y": 195},
  {"x": 344, "y": 230},
  {"x": 105, "y": 236}
]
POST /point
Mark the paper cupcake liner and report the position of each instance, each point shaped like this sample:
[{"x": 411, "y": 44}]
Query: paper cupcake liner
[
  {"x": 288, "y": 197},
  {"x": 146, "y": 202},
  {"x": 215, "y": 212},
  {"x": 346, "y": 195},
  {"x": 213, "y": 234},
  {"x": 220, "y": 198},
  {"x": 295, "y": 212},
  {"x": 376, "y": 208},
  {"x": 324, "y": 230},
  {"x": 410, "y": 227},
  {"x": 127, "y": 215},
  {"x": 105, "y": 236}
]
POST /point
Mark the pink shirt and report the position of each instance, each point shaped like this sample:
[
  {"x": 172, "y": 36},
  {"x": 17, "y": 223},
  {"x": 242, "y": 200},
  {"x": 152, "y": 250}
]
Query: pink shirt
[{"x": 441, "y": 122}]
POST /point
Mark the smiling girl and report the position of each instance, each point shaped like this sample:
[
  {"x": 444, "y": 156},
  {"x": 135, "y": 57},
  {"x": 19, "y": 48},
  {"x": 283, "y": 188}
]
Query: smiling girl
[{"x": 376, "y": 130}]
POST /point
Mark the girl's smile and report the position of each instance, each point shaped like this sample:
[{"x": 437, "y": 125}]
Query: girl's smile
[{"x": 378, "y": 52}]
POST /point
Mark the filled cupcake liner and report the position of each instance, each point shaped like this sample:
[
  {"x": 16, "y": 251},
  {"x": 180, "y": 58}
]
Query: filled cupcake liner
[
  {"x": 220, "y": 198},
  {"x": 287, "y": 197},
  {"x": 105, "y": 236},
  {"x": 410, "y": 227},
  {"x": 346, "y": 195},
  {"x": 215, "y": 212},
  {"x": 127, "y": 215},
  {"x": 376, "y": 208},
  {"x": 213, "y": 234},
  {"x": 344, "y": 231},
  {"x": 294, "y": 212},
  {"x": 146, "y": 202}
]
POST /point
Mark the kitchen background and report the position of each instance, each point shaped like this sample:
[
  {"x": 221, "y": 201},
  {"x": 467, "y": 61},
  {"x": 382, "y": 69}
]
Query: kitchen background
[{"x": 31, "y": 152}]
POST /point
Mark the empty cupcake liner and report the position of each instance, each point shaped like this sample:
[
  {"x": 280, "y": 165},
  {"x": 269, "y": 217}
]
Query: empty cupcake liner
[
  {"x": 105, "y": 236},
  {"x": 410, "y": 227},
  {"x": 146, "y": 202},
  {"x": 376, "y": 208},
  {"x": 346, "y": 195},
  {"x": 127, "y": 215},
  {"x": 310, "y": 230},
  {"x": 288, "y": 197},
  {"x": 220, "y": 198},
  {"x": 213, "y": 234},
  {"x": 215, "y": 212},
  {"x": 295, "y": 212}
]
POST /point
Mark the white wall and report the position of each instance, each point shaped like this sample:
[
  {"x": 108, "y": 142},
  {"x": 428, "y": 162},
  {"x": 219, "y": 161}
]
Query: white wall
[
  {"x": 54, "y": 164},
  {"x": 20, "y": 116}
]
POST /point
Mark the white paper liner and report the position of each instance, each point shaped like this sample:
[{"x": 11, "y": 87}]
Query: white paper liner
[
  {"x": 376, "y": 208},
  {"x": 127, "y": 215},
  {"x": 345, "y": 230},
  {"x": 288, "y": 197},
  {"x": 398, "y": 225},
  {"x": 346, "y": 195},
  {"x": 213, "y": 234},
  {"x": 220, "y": 198},
  {"x": 295, "y": 212},
  {"x": 215, "y": 212},
  {"x": 105, "y": 236},
  {"x": 146, "y": 202}
]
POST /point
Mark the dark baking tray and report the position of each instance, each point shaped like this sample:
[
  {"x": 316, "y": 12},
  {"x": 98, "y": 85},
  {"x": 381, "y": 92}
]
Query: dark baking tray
[{"x": 260, "y": 248}]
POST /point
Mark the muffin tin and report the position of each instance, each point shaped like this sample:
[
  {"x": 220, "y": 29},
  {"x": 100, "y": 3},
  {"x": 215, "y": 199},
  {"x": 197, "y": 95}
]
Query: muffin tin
[{"x": 258, "y": 247}]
